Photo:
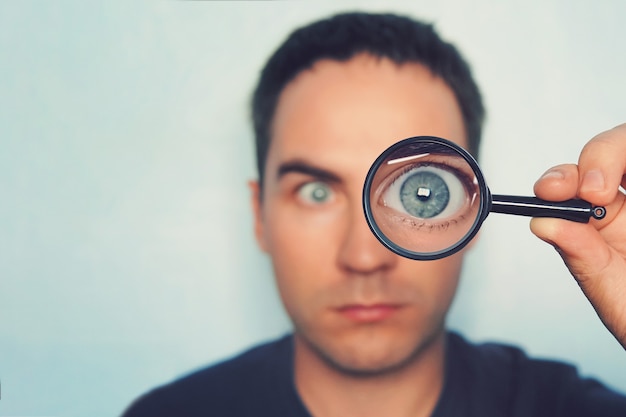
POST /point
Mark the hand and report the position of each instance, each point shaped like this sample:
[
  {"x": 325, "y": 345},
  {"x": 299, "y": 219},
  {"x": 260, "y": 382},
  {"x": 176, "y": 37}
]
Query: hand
[{"x": 595, "y": 253}]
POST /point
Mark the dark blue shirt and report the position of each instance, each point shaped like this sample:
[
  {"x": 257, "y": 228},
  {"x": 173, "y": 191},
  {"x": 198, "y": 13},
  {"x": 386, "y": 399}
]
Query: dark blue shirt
[{"x": 481, "y": 381}]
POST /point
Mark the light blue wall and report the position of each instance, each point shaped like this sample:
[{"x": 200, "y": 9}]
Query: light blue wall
[{"x": 126, "y": 250}]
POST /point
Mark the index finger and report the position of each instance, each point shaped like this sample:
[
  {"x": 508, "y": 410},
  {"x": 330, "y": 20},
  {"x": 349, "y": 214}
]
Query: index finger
[{"x": 602, "y": 165}]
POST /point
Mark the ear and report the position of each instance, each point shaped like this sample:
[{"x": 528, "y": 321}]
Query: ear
[{"x": 257, "y": 211}]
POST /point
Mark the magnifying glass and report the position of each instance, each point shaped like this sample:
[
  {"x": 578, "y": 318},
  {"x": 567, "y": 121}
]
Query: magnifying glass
[{"x": 425, "y": 198}]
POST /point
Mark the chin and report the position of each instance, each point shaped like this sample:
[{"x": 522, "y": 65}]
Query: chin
[{"x": 371, "y": 353}]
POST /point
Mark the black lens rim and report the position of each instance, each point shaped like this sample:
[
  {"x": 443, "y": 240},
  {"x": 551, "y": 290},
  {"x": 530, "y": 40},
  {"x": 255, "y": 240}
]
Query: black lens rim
[{"x": 484, "y": 203}]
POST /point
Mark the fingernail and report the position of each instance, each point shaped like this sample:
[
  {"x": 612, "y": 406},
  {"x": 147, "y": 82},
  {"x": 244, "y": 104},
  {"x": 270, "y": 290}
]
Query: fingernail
[
  {"x": 593, "y": 181},
  {"x": 553, "y": 174}
]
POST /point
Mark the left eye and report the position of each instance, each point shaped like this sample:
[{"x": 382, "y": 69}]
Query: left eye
[
  {"x": 315, "y": 192},
  {"x": 426, "y": 192}
]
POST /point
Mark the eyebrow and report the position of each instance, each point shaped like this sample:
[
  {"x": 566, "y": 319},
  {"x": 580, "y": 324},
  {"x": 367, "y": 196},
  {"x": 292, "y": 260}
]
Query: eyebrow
[{"x": 302, "y": 167}]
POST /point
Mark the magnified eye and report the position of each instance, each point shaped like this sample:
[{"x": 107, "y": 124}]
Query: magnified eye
[{"x": 427, "y": 192}]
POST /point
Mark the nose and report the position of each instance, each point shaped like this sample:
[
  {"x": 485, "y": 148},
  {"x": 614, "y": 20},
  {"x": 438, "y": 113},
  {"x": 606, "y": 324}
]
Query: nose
[{"x": 360, "y": 252}]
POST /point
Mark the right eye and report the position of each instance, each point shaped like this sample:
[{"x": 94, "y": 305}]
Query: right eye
[
  {"x": 427, "y": 192},
  {"x": 315, "y": 193}
]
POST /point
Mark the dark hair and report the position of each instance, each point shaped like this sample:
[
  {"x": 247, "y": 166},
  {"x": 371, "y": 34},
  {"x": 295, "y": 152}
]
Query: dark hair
[{"x": 341, "y": 37}]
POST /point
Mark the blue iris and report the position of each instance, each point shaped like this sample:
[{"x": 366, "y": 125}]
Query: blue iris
[{"x": 424, "y": 194}]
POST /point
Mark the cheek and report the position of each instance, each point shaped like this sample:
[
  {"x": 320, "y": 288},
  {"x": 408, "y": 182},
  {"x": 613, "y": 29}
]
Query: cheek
[
  {"x": 302, "y": 247},
  {"x": 448, "y": 271},
  {"x": 300, "y": 235},
  {"x": 437, "y": 280}
]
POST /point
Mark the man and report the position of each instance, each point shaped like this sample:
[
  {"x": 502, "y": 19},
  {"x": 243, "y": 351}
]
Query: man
[{"x": 369, "y": 326}]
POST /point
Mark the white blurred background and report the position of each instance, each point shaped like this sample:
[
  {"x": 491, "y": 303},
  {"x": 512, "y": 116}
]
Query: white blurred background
[{"x": 126, "y": 249}]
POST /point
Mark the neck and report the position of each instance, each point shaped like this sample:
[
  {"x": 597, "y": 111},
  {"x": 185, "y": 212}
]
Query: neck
[{"x": 411, "y": 390}]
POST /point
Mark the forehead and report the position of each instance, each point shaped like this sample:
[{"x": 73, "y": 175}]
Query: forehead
[{"x": 342, "y": 115}]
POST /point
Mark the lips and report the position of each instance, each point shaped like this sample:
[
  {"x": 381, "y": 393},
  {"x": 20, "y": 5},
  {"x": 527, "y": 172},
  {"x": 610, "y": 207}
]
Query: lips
[{"x": 363, "y": 313}]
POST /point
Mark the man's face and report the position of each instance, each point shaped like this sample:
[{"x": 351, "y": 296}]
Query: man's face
[{"x": 361, "y": 307}]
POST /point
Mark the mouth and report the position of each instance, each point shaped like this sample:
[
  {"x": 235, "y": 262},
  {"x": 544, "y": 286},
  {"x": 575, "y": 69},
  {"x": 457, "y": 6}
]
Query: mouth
[{"x": 369, "y": 313}]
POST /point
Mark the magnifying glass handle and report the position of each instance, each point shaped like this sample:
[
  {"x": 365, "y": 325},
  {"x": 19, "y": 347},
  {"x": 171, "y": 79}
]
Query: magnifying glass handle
[{"x": 576, "y": 210}]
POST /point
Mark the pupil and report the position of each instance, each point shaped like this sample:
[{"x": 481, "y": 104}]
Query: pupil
[{"x": 424, "y": 194}]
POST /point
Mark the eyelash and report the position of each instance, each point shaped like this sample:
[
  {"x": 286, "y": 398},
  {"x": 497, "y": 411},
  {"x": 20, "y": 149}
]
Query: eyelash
[
  {"x": 432, "y": 226},
  {"x": 463, "y": 177}
]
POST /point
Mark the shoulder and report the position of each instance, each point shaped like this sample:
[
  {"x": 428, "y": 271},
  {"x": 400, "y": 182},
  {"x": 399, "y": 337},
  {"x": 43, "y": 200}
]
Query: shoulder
[
  {"x": 516, "y": 384},
  {"x": 499, "y": 360},
  {"x": 221, "y": 388}
]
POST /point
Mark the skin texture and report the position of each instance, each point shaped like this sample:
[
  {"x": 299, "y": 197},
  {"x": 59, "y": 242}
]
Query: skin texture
[
  {"x": 595, "y": 253},
  {"x": 368, "y": 323}
]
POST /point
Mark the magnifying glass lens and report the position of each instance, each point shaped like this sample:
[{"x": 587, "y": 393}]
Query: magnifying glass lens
[{"x": 424, "y": 198}]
